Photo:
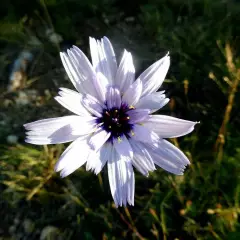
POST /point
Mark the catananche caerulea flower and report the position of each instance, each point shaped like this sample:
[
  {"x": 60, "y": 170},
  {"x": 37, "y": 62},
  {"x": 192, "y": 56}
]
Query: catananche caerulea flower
[{"x": 113, "y": 122}]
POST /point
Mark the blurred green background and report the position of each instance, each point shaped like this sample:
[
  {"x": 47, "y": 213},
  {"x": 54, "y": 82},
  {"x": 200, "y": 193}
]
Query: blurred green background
[{"x": 203, "y": 38}]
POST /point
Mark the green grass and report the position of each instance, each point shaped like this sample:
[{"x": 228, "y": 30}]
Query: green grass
[{"x": 203, "y": 39}]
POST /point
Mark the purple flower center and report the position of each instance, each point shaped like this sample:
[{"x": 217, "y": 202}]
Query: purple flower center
[{"x": 116, "y": 121}]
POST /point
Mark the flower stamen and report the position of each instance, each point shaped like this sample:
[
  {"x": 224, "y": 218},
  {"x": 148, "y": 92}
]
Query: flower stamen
[{"x": 107, "y": 113}]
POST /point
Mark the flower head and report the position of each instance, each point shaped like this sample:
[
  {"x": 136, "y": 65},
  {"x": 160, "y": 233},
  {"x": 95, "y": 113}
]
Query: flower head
[{"x": 112, "y": 122}]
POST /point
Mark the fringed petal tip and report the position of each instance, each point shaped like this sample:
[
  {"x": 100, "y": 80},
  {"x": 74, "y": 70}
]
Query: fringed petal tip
[
  {"x": 27, "y": 126},
  {"x": 56, "y": 168},
  {"x": 116, "y": 205},
  {"x": 190, "y": 129}
]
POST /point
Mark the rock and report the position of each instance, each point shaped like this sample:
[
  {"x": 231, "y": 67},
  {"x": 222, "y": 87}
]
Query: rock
[
  {"x": 28, "y": 225},
  {"x": 50, "y": 232},
  {"x": 12, "y": 139}
]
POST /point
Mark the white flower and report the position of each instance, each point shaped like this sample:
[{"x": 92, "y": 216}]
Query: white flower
[{"x": 113, "y": 124}]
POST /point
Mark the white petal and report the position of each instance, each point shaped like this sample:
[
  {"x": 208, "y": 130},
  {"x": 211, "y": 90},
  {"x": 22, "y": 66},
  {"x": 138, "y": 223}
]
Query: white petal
[
  {"x": 71, "y": 100},
  {"x": 79, "y": 70},
  {"x": 113, "y": 98},
  {"x": 123, "y": 148},
  {"x": 102, "y": 61},
  {"x": 170, "y": 150},
  {"x": 85, "y": 125},
  {"x": 143, "y": 134},
  {"x": 71, "y": 72},
  {"x": 121, "y": 180},
  {"x": 142, "y": 160},
  {"x": 97, "y": 160},
  {"x": 133, "y": 93},
  {"x": 138, "y": 115},
  {"x": 153, "y": 77},
  {"x": 98, "y": 139},
  {"x": 73, "y": 157},
  {"x": 167, "y": 165},
  {"x": 103, "y": 58},
  {"x": 83, "y": 65},
  {"x": 84, "y": 69},
  {"x": 153, "y": 101},
  {"x": 94, "y": 53},
  {"x": 101, "y": 85},
  {"x": 111, "y": 58},
  {"x": 168, "y": 157},
  {"x": 125, "y": 73},
  {"x": 169, "y": 127},
  {"x": 58, "y": 130},
  {"x": 92, "y": 105}
]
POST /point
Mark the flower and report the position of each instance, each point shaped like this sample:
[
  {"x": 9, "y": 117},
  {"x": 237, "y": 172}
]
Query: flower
[{"x": 113, "y": 124}]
